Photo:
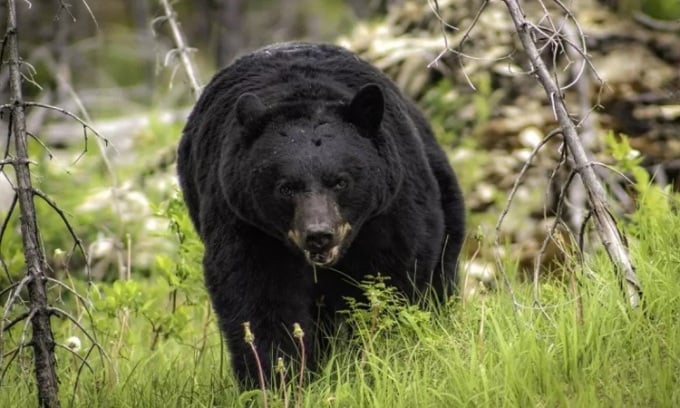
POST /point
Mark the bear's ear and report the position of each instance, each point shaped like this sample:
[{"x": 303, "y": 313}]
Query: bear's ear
[
  {"x": 367, "y": 108},
  {"x": 249, "y": 109}
]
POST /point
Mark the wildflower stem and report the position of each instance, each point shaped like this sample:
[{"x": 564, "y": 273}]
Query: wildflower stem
[
  {"x": 300, "y": 335},
  {"x": 250, "y": 339}
]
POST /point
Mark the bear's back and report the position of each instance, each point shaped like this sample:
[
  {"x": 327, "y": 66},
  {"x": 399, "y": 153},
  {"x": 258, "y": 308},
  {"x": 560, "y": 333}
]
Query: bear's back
[{"x": 297, "y": 71}]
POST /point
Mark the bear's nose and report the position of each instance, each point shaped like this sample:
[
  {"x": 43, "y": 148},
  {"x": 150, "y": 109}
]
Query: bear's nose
[{"x": 318, "y": 240}]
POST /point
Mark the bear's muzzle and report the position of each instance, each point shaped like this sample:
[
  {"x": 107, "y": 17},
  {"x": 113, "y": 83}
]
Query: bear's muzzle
[{"x": 318, "y": 229}]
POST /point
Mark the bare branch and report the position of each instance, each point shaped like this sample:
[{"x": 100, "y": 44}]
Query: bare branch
[
  {"x": 80, "y": 297},
  {"x": 18, "y": 319},
  {"x": 67, "y": 224},
  {"x": 506, "y": 209},
  {"x": 80, "y": 370},
  {"x": 73, "y": 116},
  {"x": 654, "y": 24},
  {"x": 87, "y": 304},
  {"x": 8, "y": 288},
  {"x": 609, "y": 234},
  {"x": 14, "y": 353},
  {"x": 519, "y": 179},
  {"x": 102, "y": 142},
  {"x": 18, "y": 287},
  {"x": 76, "y": 355},
  {"x": 65, "y": 7},
  {"x": 5, "y": 222},
  {"x": 434, "y": 6},
  {"x": 549, "y": 236},
  {"x": 182, "y": 49},
  {"x": 465, "y": 36},
  {"x": 60, "y": 312}
]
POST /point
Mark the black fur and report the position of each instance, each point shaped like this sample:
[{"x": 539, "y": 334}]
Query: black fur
[{"x": 319, "y": 134}]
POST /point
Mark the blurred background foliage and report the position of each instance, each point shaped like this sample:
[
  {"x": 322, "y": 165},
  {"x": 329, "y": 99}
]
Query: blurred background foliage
[{"x": 111, "y": 64}]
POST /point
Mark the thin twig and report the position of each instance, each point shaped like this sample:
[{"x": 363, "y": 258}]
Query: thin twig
[
  {"x": 62, "y": 313},
  {"x": 16, "y": 320},
  {"x": 8, "y": 288},
  {"x": 464, "y": 37},
  {"x": 506, "y": 209},
  {"x": 72, "y": 291},
  {"x": 78, "y": 356},
  {"x": 549, "y": 236},
  {"x": 67, "y": 224},
  {"x": 14, "y": 353},
  {"x": 655, "y": 24},
  {"x": 5, "y": 222},
  {"x": 71, "y": 115},
  {"x": 102, "y": 143},
  {"x": 80, "y": 370}
]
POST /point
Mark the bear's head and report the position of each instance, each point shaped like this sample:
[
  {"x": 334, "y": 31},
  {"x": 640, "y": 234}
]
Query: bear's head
[{"x": 311, "y": 172}]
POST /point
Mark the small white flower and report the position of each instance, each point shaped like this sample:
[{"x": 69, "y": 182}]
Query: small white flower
[
  {"x": 73, "y": 343},
  {"x": 633, "y": 154}
]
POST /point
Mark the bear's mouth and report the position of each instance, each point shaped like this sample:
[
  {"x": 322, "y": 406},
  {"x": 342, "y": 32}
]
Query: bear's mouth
[
  {"x": 322, "y": 250},
  {"x": 323, "y": 258}
]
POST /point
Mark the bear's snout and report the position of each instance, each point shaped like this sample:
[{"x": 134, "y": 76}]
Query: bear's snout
[
  {"x": 318, "y": 230},
  {"x": 320, "y": 244},
  {"x": 322, "y": 247},
  {"x": 319, "y": 239}
]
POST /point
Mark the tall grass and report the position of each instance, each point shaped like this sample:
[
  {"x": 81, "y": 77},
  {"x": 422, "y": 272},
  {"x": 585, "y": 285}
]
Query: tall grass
[{"x": 487, "y": 352}]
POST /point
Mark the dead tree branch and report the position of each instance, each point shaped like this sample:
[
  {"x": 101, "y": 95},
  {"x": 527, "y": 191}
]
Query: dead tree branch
[
  {"x": 182, "y": 49},
  {"x": 42, "y": 338},
  {"x": 607, "y": 230}
]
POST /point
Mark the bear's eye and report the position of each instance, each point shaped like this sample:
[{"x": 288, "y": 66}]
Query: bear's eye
[
  {"x": 340, "y": 184},
  {"x": 286, "y": 190}
]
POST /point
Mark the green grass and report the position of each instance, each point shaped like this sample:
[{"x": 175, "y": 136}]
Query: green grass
[
  {"x": 580, "y": 348},
  {"x": 487, "y": 352}
]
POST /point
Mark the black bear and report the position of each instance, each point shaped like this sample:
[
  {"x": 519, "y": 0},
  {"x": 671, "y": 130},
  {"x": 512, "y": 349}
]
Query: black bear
[{"x": 304, "y": 169}]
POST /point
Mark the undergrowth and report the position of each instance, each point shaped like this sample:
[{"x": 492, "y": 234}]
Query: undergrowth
[
  {"x": 152, "y": 339},
  {"x": 488, "y": 351}
]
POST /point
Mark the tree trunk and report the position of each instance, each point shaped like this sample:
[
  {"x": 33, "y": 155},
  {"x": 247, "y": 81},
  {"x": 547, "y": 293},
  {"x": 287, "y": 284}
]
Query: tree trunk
[{"x": 42, "y": 339}]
